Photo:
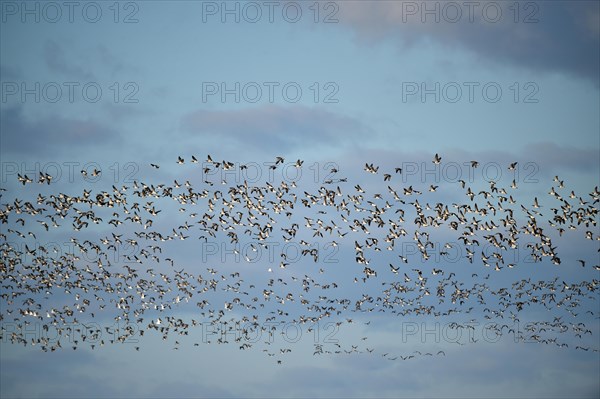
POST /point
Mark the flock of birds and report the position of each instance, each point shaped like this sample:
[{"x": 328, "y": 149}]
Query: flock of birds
[{"x": 133, "y": 259}]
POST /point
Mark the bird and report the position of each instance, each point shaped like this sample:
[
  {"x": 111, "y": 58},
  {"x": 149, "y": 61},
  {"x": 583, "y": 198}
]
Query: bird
[{"x": 139, "y": 276}]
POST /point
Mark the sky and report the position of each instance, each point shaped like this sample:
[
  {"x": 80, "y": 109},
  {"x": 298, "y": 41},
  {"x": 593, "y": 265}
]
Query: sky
[{"x": 118, "y": 86}]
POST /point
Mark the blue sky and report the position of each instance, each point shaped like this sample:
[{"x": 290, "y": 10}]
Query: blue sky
[{"x": 362, "y": 81}]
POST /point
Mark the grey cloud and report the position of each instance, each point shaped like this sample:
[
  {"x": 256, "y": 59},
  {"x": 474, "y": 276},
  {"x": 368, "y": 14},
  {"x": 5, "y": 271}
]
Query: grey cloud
[
  {"x": 564, "y": 157},
  {"x": 78, "y": 65},
  {"x": 50, "y": 135},
  {"x": 56, "y": 60},
  {"x": 565, "y": 38},
  {"x": 8, "y": 72},
  {"x": 121, "y": 112},
  {"x": 274, "y": 128},
  {"x": 57, "y": 374},
  {"x": 190, "y": 390},
  {"x": 503, "y": 369}
]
